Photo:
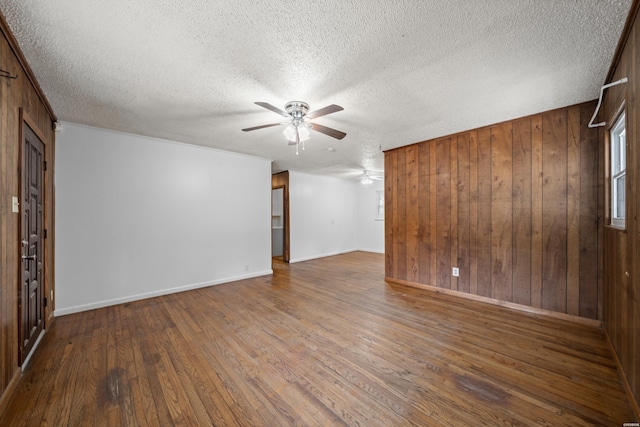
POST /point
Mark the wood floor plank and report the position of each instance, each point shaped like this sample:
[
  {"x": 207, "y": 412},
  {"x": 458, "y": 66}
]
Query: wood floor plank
[{"x": 321, "y": 342}]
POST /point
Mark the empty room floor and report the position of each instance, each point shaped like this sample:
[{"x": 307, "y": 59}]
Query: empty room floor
[{"x": 321, "y": 342}]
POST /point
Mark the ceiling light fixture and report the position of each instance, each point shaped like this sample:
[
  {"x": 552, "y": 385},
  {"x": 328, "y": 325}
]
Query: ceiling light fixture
[
  {"x": 299, "y": 122},
  {"x": 366, "y": 179},
  {"x": 297, "y": 132}
]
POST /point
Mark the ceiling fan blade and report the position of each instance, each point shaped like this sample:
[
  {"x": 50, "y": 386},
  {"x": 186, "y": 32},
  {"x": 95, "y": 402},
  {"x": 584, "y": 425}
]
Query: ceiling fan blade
[
  {"x": 261, "y": 127},
  {"x": 328, "y": 131},
  {"x": 333, "y": 108},
  {"x": 272, "y": 108}
]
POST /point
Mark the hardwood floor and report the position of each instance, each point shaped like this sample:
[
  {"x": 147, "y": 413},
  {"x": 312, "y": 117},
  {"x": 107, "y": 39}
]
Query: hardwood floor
[{"x": 322, "y": 342}]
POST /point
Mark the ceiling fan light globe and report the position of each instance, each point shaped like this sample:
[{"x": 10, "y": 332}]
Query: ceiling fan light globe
[
  {"x": 304, "y": 133},
  {"x": 290, "y": 132}
]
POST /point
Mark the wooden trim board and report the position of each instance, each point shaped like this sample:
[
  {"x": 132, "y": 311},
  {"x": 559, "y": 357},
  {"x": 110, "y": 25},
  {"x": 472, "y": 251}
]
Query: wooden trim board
[{"x": 527, "y": 309}]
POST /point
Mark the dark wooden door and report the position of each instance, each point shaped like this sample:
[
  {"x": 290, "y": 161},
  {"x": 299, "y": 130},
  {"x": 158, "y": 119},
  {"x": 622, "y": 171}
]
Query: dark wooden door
[{"x": 31, "y": 299}]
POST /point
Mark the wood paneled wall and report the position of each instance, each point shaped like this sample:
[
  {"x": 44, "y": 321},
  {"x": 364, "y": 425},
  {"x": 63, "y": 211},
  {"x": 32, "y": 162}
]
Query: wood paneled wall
[
  {"x": 514, "y": 206},
  {"x": 621, "y": 299},
  {"x": 20, "y": 98}
]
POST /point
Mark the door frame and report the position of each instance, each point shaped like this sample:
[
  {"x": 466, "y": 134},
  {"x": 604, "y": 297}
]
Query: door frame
[
  {"x": 281, "y": 180},
  {"x": 47, "y": 223},
  {"x": 285, "y": 214}
]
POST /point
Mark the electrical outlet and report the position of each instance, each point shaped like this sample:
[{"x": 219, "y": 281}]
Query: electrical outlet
[
  {"x": 246, "y": 267},
  {"x": 455, "y": 271}
]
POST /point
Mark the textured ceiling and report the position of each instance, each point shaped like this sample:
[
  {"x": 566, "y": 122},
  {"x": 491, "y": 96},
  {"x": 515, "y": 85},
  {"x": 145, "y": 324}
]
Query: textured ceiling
[{"x": 404, "y": 71}]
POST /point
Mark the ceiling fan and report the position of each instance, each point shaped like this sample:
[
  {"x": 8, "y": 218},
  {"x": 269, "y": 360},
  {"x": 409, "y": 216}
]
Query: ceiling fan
[
  {"x": 299, "y": 121},
  {"x": 368, "y": 176}
]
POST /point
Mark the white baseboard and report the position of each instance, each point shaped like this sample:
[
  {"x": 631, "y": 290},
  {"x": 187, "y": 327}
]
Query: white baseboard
[
  {"x": 129, "y": 298},
  {"x": 309, "y": 258},
  {"x": 373, "y": 251}
]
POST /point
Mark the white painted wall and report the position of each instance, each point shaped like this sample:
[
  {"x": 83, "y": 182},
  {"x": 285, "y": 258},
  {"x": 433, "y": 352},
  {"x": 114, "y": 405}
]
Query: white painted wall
[
  {"x": 323, "y": 217},
  {"x": 138, "y": 217},
  {"x": 370, "y": 227}
]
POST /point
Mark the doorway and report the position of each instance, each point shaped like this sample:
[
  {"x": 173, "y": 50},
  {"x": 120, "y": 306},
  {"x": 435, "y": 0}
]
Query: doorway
[
  {"x": 277, "y": 222},
  {"x": 280, "y": 214},
  {"x": 31, "y": 299}
]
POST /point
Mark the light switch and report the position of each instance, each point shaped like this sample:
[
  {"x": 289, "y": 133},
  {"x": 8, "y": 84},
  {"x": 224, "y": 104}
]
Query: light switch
[{"x": 15, "y": 205}]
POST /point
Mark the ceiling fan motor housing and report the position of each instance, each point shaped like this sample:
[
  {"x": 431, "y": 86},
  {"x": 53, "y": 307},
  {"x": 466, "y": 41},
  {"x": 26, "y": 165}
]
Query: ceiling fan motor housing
[{"x": 297, "y": 109}]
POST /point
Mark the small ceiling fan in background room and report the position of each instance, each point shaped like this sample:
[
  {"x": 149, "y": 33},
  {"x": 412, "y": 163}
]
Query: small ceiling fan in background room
[
  {"x": 299, "y": 123},
  {"x": 368, "y": 177}
]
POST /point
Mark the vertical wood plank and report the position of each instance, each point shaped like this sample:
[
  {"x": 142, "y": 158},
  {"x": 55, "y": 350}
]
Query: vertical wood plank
[
  {"x": 522, "y": 211},
  {"x": 389, "y": 211},
  {"x": 453, "y": 183},
  {"x": 554, "y": 215},
  {"x": 11, "y": 138},
  {"x": 443, "y": 212},
  {"x": 609, "y": 292},
  {"x": 484, "y": 249},
  {"x": 501, "y": 212},
  {"x": 424, "y": 213},
  {"x": 588, "y": 217},
  {"x": 397, "y": 218},
  {"x": 433, "y": 225},
  {"x": 632, "y": 370},
  {"x": 5, "y": 292},
  {"x": 463, "y": 210},
  {"x": 412, "y": 213},
  {"x": 537, "y": 179},
  {"x": 400, "y": 249},
  {"x": 573, "y": 210},
  {"x": 473, "y": 212},
  {"x": 599, "y": 220}
]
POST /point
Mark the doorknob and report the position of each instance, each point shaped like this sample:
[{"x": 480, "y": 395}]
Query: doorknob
[{"x": 33, "y": 257}]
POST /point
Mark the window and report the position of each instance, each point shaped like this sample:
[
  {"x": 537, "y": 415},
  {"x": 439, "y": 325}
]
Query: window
[{"x": 618, "y": 169}]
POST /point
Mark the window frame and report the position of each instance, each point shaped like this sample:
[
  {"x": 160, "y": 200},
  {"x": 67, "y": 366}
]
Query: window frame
[{"x": 617, "y": 169}]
